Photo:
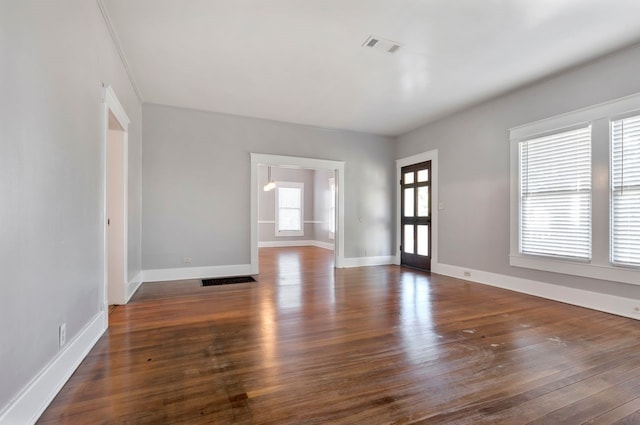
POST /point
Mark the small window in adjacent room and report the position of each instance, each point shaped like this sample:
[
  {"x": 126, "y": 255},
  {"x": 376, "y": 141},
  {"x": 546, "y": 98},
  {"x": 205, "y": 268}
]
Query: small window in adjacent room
[
  {"x": 625, "y": 191},
  {"x": 289, "y": 209}
]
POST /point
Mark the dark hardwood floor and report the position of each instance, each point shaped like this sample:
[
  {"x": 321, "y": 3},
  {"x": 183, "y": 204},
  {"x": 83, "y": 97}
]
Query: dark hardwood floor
[{"x": 377, "y": 345}]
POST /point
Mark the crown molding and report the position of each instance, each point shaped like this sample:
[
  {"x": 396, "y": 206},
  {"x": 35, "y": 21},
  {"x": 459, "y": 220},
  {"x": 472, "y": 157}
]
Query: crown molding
[{"x": 118, "y": 46}]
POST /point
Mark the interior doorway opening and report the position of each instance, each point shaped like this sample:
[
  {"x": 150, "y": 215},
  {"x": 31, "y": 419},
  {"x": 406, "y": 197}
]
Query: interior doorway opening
[
  {"x": 116, "y": 273},
  {"x": 296, "y": 216},
  {"x": 115, "y": 202},
  {"x": 296, "y": 207},
  {"x": 333, "y": 171}
]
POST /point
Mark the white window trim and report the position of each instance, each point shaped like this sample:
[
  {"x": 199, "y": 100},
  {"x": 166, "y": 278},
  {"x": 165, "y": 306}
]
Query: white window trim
[
  {"x": 332, "y": 209},
  {"x": 600, "y": 266},
  {"x": 284, "y": 233},
  {"x": 611, "y": 192}
]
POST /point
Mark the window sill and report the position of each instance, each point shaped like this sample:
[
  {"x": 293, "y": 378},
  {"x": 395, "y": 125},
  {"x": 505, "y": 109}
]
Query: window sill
[{"x": 594, "y": 271}]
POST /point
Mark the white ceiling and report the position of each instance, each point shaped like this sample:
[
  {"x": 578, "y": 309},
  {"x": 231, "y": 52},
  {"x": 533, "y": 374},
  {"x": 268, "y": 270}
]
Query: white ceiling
[{"x": 301, "y": 61}]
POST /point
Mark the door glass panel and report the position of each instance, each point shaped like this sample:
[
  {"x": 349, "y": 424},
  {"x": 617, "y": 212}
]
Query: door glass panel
[
  {"x": 423, "y": 201},
  {"x": 408, "y": 178},
  {"x": 407, "y": 245},
  {"x": 423, "y": 175},
  {"x": 423, "y": 239},
  {"x": 408, "y": 202}
]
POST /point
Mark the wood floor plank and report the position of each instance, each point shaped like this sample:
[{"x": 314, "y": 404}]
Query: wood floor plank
[
  {"x": 619, "y": 413},
  {"x": 308, "y": 344}
]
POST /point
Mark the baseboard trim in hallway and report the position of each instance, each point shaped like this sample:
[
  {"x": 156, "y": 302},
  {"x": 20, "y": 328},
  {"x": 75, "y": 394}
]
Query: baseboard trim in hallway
[
  {"x": 133, "y": 285},
  {"x": 184, "y": 273},
  {"x": 38, "y": 394},
  {"x": 369, "y": 261},
  {"x": 285, "y": 244}
]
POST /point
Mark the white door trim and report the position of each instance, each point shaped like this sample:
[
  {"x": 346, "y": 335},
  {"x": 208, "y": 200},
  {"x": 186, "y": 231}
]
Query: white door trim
[
  {"x": 416, "y": 159},
  {"x": 297, "y": 162},
  {"x": 111, "y": 103}
]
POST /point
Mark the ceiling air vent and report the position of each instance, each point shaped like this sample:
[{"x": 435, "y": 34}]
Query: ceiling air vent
[
  {"x": 381, "y": 44},
  {"x": 372, "y": 42}
]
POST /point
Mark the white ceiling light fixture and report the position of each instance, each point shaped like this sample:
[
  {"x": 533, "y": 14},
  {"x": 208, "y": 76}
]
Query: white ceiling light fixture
[
  {"x": 271, "y": 184},
  {"x": 380, "y": 44}
]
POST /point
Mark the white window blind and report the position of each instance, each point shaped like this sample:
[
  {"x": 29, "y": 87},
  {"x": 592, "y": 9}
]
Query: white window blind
[
  {"x": 555, "y": 195},
  {"x": 625, "y": 191}
]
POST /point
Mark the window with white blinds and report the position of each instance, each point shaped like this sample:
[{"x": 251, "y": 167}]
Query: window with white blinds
[
  {"x": 289, "y": 209},
  {"x": 625, "y": 191},
  {"x": 555, "y": 195}
]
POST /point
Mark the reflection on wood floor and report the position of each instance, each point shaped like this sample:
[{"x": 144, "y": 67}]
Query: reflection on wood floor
[{"x": 308, "y": 344}]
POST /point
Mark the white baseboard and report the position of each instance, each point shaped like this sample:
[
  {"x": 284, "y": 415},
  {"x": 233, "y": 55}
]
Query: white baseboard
[
  {"x": 305, "y": 222},
  {"x": 133, "y": 286},
  {"x": 620, "y": 306},
  {"x": 283, "y": 244},
  {"x": 369, "y": 261},
  {"x": 325, "y": 245},
  {"x": 27, "y": 407},
  {"x": 161, "y": 275}
]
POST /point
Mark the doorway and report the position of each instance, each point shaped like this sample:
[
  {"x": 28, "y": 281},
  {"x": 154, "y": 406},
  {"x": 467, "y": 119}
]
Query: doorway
[
  {"x": 298, "y": 163},
  {"x": 115, "y": 212},
  {"x": 415, "y": 217},
  {"x": 115, "y": 201}
]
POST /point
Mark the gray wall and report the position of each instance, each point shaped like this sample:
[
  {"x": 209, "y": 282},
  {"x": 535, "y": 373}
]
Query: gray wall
[
  {"x": 54, "y": 57},
  {"x": 267, "y": 204},
  {"x": 195, "y": 184},
  {"x": 473, "y": 149}
]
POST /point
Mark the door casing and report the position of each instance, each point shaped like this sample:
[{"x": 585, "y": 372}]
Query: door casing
[
  {"x": 112, "y": 106},
  {"x": 298, "y": 162}
]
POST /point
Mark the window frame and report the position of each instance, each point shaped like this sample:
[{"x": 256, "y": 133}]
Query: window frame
[
  {"x": 290, "y": 185},
  {"x": 599, "y": 117},
  {"x": 332, "y": 208},
  {"x": 521, "y": 249},
  {"x": 613, "y": 262}
]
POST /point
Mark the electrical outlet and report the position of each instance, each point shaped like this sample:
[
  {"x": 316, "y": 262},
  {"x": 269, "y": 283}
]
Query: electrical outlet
[
  {"x": 62, "y": 334},
  {"x": 467, "y": 274},
  {"x": 186, "y": 260}
]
